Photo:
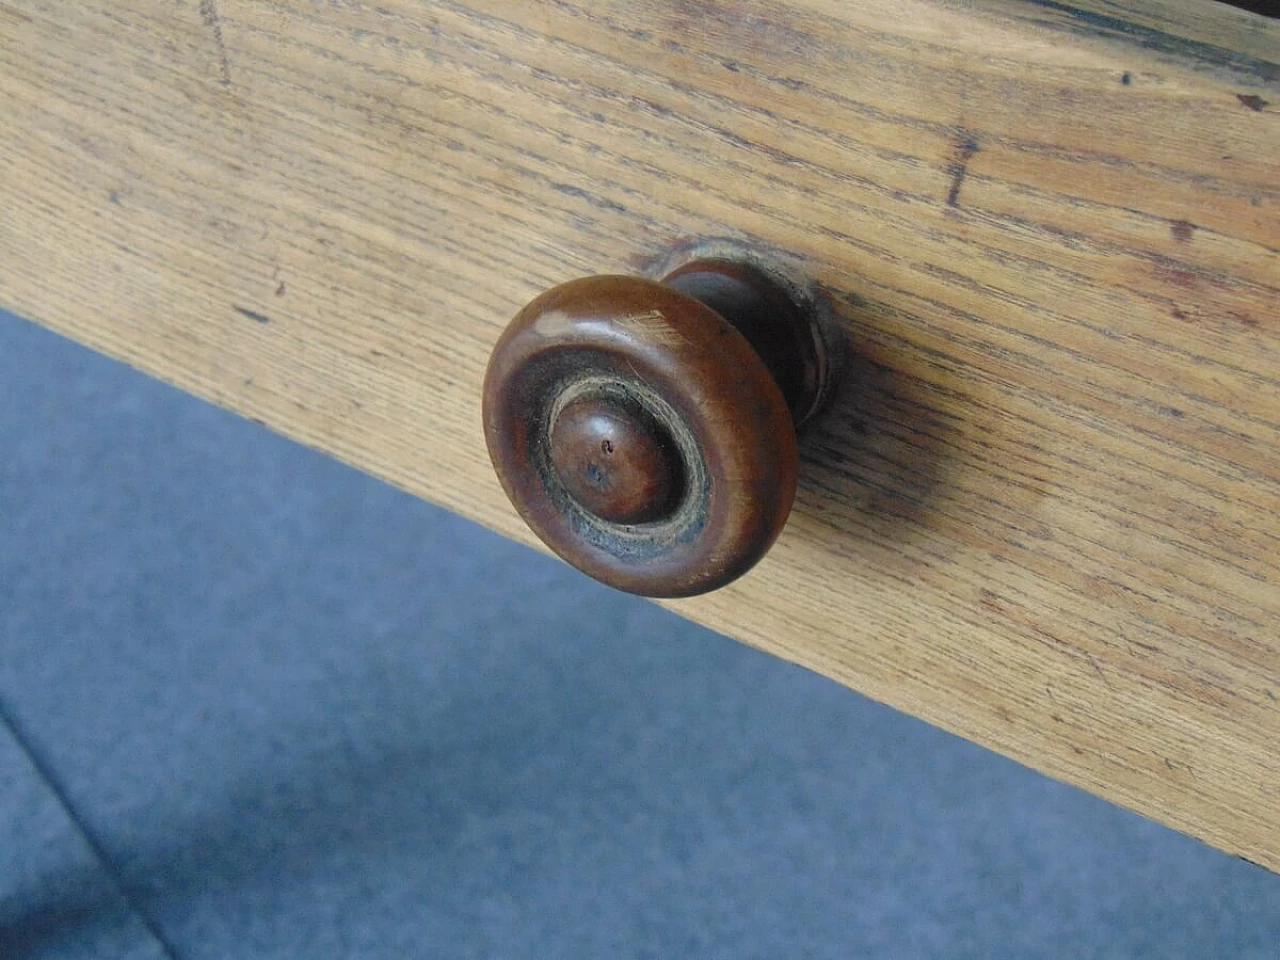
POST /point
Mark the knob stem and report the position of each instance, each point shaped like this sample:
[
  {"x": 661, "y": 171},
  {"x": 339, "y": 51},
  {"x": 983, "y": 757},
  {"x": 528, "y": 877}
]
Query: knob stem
[{"x": 780, "y": 330}]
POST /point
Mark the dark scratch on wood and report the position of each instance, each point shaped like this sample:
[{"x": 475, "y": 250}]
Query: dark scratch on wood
[
  {"x": 209, "y": 13},
  {"x": 253, "y": 315},
  {"x": 16, "y": 16},
  {"x": 966, "y": 147},
  {"x": 1098, "y": 667}
]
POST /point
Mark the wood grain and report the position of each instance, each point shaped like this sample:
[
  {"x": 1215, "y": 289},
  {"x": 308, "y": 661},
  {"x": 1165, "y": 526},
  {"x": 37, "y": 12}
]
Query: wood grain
[{"x": 1045, "y": 512}]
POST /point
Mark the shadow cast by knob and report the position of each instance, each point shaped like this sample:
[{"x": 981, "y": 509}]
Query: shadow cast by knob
[{"x": 879, "y": 457}]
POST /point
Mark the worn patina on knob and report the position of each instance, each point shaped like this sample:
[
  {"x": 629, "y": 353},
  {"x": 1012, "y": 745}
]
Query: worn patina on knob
[{"x": 646, "y": 430}]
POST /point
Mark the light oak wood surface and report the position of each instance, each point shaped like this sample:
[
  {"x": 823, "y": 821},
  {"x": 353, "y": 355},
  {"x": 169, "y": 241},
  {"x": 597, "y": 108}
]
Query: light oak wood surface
[{"x": 1045, "y": 511}]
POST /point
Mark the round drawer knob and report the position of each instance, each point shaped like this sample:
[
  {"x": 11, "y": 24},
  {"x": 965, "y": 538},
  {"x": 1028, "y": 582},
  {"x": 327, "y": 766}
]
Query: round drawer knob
[{"x": 646, "y": 430}]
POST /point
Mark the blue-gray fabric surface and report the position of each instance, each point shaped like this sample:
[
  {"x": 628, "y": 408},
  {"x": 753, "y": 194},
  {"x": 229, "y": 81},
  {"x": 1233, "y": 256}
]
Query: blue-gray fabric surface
[{"x": 257, "y": 705}]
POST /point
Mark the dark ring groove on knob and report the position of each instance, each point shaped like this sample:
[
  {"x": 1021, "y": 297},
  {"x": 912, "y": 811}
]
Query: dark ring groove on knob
[{"x": 645, "y": 430}]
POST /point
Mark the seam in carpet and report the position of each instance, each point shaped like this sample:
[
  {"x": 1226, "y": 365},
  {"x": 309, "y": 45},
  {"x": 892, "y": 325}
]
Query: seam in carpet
[{"x": 51, "y": 780}]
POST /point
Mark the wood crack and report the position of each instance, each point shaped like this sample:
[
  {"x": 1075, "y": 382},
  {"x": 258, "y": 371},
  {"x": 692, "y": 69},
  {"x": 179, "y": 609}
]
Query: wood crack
[{"x": 212, "y": 20}]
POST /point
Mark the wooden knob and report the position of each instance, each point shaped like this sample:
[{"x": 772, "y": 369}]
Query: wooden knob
[{"x": 646, "y": 430}]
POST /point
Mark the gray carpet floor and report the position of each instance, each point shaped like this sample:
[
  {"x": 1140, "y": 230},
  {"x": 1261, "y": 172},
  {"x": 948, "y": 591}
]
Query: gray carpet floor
[{"x": 257, "y": 705}]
